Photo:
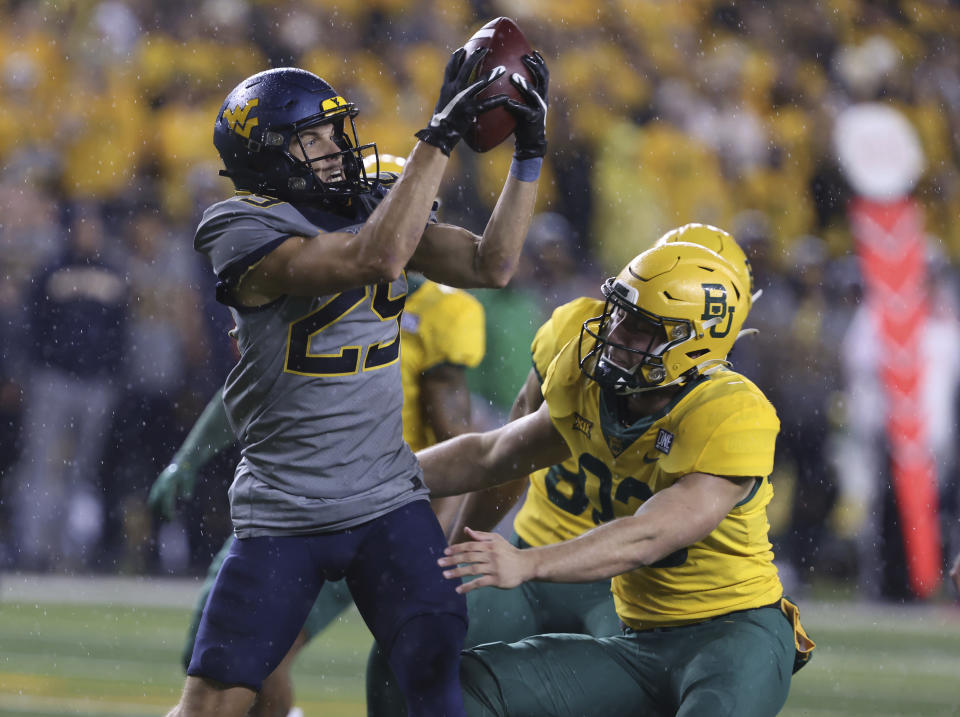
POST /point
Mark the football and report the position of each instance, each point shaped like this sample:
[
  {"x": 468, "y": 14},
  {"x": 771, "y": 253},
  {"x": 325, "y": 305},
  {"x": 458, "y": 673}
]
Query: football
[{"x": 507, "y": 45}]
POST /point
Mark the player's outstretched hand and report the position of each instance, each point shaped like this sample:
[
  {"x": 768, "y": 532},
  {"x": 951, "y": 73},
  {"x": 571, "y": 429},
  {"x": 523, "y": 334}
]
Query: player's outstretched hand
[
  {"x": 176, "y": 480},
  {"x": 955, "y": 572},
  {"x": 459, "y": 105},
  {"x": 530, "y": 136},
  {"x": 488, "y": 555}
]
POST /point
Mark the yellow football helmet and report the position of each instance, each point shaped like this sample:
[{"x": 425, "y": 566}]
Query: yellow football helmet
[
  {"x": 386, "y": 168},
  {"x": 689, "y": 301},
  {"x": 721, "y": 242},
  {"x": 377, "y": 163}
]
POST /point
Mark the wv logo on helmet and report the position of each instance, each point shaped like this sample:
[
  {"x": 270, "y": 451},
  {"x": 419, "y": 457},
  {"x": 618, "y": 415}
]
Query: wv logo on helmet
[
  {"x": 715, "y": 307},
  {"x": 237, "y": 118},
  {"x": 334, "y": 103}
]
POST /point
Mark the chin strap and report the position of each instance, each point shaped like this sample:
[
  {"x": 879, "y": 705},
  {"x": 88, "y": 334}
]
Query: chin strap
[
  {"x": 709, "y": 324},
  {"x": 644, "y": 389},
  {"x": 743, "y": 332},
  {"x": 702, "y": 369}
]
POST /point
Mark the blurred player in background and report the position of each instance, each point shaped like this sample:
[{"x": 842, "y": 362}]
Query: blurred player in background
[
  {"x": 673, "y": 452},
  {"x": 442, "y": 334},
  {"x": 310, "y": 256},
  {"x": 76, "y": 316}
]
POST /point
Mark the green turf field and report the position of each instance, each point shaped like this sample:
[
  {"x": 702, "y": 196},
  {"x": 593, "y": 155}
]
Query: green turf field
[{"x": 108, "y": 660}]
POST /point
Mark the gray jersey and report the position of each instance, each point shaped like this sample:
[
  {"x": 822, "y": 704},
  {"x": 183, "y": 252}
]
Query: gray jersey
[{"x": 315, "y": 398}]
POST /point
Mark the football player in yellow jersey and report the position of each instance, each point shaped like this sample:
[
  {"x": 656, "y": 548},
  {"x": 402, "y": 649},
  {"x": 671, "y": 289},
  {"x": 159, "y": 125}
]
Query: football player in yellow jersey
[
  {"x": 556, "y": 506},
  {"x": 441, "y": 335},
  {"x": 674, "y": 451}
]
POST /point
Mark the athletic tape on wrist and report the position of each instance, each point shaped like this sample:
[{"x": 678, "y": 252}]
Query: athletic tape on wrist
[{"x": 526, "y": 170}]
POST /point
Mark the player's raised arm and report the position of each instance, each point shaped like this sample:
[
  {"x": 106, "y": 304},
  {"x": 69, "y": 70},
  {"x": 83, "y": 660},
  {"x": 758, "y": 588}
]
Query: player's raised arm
[
  {"x": 379, "y": 248},
  {"x": 457, "y": 257}
]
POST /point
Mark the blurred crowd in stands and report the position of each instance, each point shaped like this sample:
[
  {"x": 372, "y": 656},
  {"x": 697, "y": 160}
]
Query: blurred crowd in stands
[{"x": 661, "y": 113}]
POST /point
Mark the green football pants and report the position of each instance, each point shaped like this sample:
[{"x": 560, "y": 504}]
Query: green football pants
[{"x": 738, "y": 665}]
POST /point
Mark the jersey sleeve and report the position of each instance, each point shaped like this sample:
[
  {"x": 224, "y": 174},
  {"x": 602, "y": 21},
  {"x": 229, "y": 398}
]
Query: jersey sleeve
[
  {"x": 544, "y": 348},
  {"x": 454, "y": 331},
  {"x": 239, "y": 232},
  {"x": 562, "y": 326},
  {"x": 733, "y": 434},
  {"x": 563, "y": 382}
]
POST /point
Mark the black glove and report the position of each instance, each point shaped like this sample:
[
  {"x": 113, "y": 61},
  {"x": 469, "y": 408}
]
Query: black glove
[
  {"x": 458, "y": 105},
  {"x": 530, "y": 136}
]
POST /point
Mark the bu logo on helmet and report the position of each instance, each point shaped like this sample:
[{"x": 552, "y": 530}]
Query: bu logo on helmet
[
  {"x": 237, "y": 118},
  {"x": 715, "y": 307}
]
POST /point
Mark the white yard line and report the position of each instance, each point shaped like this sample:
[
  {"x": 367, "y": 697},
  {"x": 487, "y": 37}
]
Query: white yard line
[
  {"x": 182, "y": 592},
  {"x": 94, "y": 590},
  {"x": 73, "y": 705},
  {"x": 933, "y": 618}
]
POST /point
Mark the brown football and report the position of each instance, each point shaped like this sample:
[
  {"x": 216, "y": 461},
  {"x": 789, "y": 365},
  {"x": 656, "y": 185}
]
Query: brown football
[{"x": 507, "y": 45}]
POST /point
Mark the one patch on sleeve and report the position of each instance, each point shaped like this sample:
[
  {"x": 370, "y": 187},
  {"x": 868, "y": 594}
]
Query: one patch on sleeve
[{"x": 664, "y": 441}]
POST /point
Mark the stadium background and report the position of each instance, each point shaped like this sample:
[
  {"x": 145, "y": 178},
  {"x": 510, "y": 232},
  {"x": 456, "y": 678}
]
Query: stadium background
[{"x": 661, "y": 113}]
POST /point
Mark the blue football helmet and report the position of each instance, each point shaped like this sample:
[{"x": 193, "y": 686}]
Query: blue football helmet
[{"x": 264, "y": 113}]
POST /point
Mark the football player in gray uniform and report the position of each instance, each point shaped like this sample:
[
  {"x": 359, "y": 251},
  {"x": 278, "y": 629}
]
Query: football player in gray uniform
[{"x": 310, "y": 255}]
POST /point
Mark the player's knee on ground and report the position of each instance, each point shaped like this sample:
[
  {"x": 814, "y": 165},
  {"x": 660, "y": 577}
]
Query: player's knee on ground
[{"x": 425, "y": 658}]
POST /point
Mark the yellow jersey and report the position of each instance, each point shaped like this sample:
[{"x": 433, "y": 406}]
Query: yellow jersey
[
  {"x": 439, "y": 325},
  {"x": 720, "y": 424},
  {"x": 556, "y": 507}
]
